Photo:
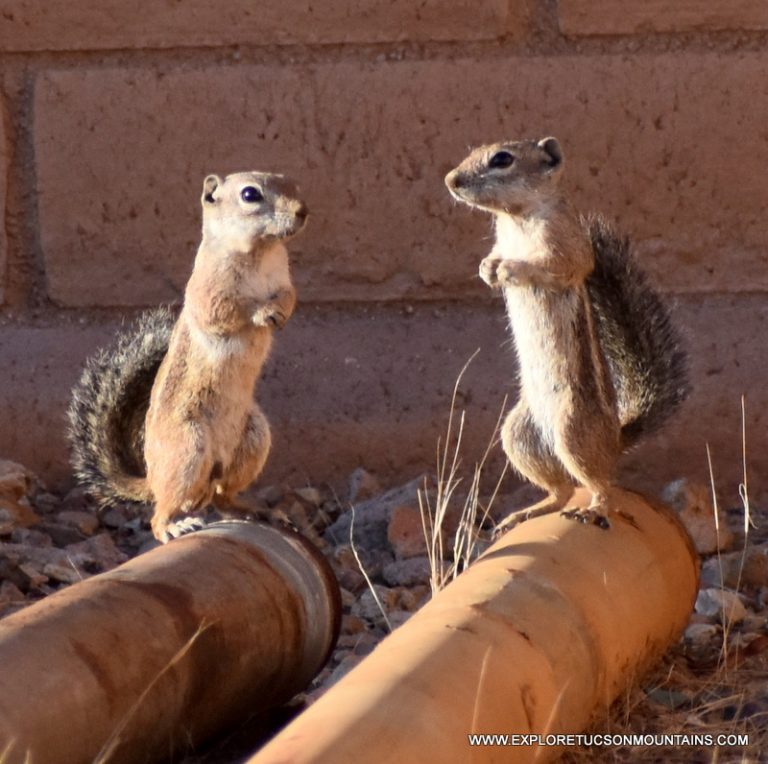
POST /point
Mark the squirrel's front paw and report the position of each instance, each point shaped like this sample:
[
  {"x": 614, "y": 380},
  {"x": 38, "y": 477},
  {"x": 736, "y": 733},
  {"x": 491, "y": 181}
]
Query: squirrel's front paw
[
  {"x": 277, "y": 318},
  {"x": 489, "y": 268},
  {"x": 270, "y": 316},
  {"x": 512, "y": 273}
]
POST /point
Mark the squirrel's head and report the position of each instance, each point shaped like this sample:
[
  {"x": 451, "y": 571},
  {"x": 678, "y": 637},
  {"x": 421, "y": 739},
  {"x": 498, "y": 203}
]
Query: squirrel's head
[
  {"x": 516, "y": 178},
  {"x": 249, "y": 207}
]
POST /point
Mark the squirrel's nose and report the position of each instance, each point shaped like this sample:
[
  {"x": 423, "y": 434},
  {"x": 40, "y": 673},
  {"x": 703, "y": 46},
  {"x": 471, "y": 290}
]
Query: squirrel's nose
[{"x": 454, "y": 179}]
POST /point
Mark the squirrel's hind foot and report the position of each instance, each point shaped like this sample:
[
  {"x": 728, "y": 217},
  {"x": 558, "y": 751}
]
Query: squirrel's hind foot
[
  {"x": 545, "y": 507},
  {"x": 182, "y": 528},
  {"x": 598, "y": 513},
  {"x": 588, "y": 515}
]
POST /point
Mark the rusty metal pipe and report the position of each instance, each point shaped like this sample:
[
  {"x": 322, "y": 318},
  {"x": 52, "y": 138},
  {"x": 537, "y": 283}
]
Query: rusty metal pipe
[
  {"x": 165, "y": 650},
  {"x": 538, "y": 636}
]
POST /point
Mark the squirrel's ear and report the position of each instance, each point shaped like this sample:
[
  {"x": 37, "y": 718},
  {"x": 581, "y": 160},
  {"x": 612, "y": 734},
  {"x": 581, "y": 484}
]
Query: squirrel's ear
[
  {"x": 554, "y": 154},
  {"x": 210, "y": 184}
]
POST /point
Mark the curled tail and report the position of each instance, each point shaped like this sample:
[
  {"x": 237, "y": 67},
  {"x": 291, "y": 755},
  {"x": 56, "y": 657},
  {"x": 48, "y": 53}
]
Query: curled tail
[
  {"x": 108, "y": 407},
  {"x": 643, "y": 351}
]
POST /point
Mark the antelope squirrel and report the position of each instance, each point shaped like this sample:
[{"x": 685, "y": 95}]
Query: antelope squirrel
[
  {"x": 167, "y": 415},
  {"x": 600, "y": 363}
]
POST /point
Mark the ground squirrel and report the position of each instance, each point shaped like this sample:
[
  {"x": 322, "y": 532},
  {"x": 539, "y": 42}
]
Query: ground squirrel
[
  {"x": 600, "y": 364},
  {"x": 200, "y": 437}
]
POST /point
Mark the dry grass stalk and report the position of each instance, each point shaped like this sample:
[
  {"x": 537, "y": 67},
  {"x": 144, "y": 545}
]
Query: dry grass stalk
[
  {"x": 435, "y": 512},
  {"x": 115, "y": 738},
  {"x": 726, "y": 617},
  {"x": 367, "y": 578}
]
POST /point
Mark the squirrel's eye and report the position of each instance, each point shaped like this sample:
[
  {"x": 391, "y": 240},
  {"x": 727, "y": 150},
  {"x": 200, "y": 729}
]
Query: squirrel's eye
[
  {"x": 501, "y": 159},
  {"x": 251, "y": 195}
]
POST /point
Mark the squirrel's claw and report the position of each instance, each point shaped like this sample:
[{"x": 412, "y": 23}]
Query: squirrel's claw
[
  {"x": 182, "y": 528},
  {"x": 489, "y": 270},
  {"x": 270, "y": 316},
  {"x": 277, "y": 319},
  {"x": 588, "y": 515}
]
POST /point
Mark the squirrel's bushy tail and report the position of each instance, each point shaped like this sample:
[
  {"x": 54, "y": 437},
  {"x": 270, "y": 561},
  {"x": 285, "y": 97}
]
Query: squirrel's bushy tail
[
  {"x": 108, "y": 407},
  {"x": 644, "y": 354}
]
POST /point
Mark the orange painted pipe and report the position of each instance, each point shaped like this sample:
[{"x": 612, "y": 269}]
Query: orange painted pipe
[
  {"x": 538, "y": 636},
  {"x": 166, "y": 650}
]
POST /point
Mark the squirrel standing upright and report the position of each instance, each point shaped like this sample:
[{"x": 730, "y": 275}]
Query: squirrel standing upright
[
  {"x": 168, "y": 414},
  {"x": 600, "y": 364}
]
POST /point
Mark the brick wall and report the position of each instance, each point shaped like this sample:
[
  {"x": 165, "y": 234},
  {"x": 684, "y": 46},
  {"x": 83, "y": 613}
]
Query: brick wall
[{"x": 113, "y": 113}]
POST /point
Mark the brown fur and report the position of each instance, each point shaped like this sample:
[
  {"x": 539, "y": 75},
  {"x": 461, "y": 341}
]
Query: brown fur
[
  {"x": 206, "y": 439},
  {"x": 567, "y": 425}
]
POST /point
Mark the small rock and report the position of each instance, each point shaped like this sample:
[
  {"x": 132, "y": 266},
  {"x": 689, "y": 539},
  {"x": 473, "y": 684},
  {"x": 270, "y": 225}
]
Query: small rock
[
  {"x": 368, "y": 608},
  {"x": 339, "y": 655},
  {"x": 136, "y": 525},
  {"x": 85, "y": 522},
  {"x": 737, "y": 570},
  {"x": 7, "y": 522},
  {"x": 754, "y": 623},
  {"x": 347, "y": 641},
  {"x": 347, "y": 598},
  {"x": 114, "y": 517},
  {"x": 351, "y": 624},
  {"x": 321, "y": 678},
  {"x": 77, "y": 500},
  {"x": 271, "y": 495},
  {"x": 62, "y": 535},
  {"x": 148, "y": 544},
  {"x": 12, "y": 573},
  {"x": 310, "y": 495},
  {"x": 10, "y": 592},
  {"x": 35, "y": 557},
  {"x": 67, "y": 574},
  {"x": 754, "y": 572},
  {"x": 35, "y": 577},
  {"x": 16, "y": 481},
  {"x": 343, "y": 669},
  {"x": 362, "y": 486},
  {"x": 329, "y": 512},
  {"x": 668, "y": 698},
  {"x": 17, "y": 513},
  {"x": 350, "y": 579},
  {"x": 31, "y": 537},
  {"x": 411, "y": 598},
  {"x": 698, "y": 634},
  {"x": 709, "y": 575},
  {"x": 360, "y": 644},
  {"x": 698, "y": 618},
  {"x": 371, "y": 517},
  {"x": 722, "y": 604},
  {"x": 347, "y": 570},
  {"x": 374, "y": 561},
  {"x": 46, "y": 502},
  {"x": 365, "y": 645},
  {"x": 693, "y": 503},
  {"x": 304, "y": 521},
  {"x": 98, "y": 551},
  {"x": 405, "y": 532},
  {"x": 398, "y": 618},
  {"x": 410, "y": 572},
  {"x": 755, "y": 644}
]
